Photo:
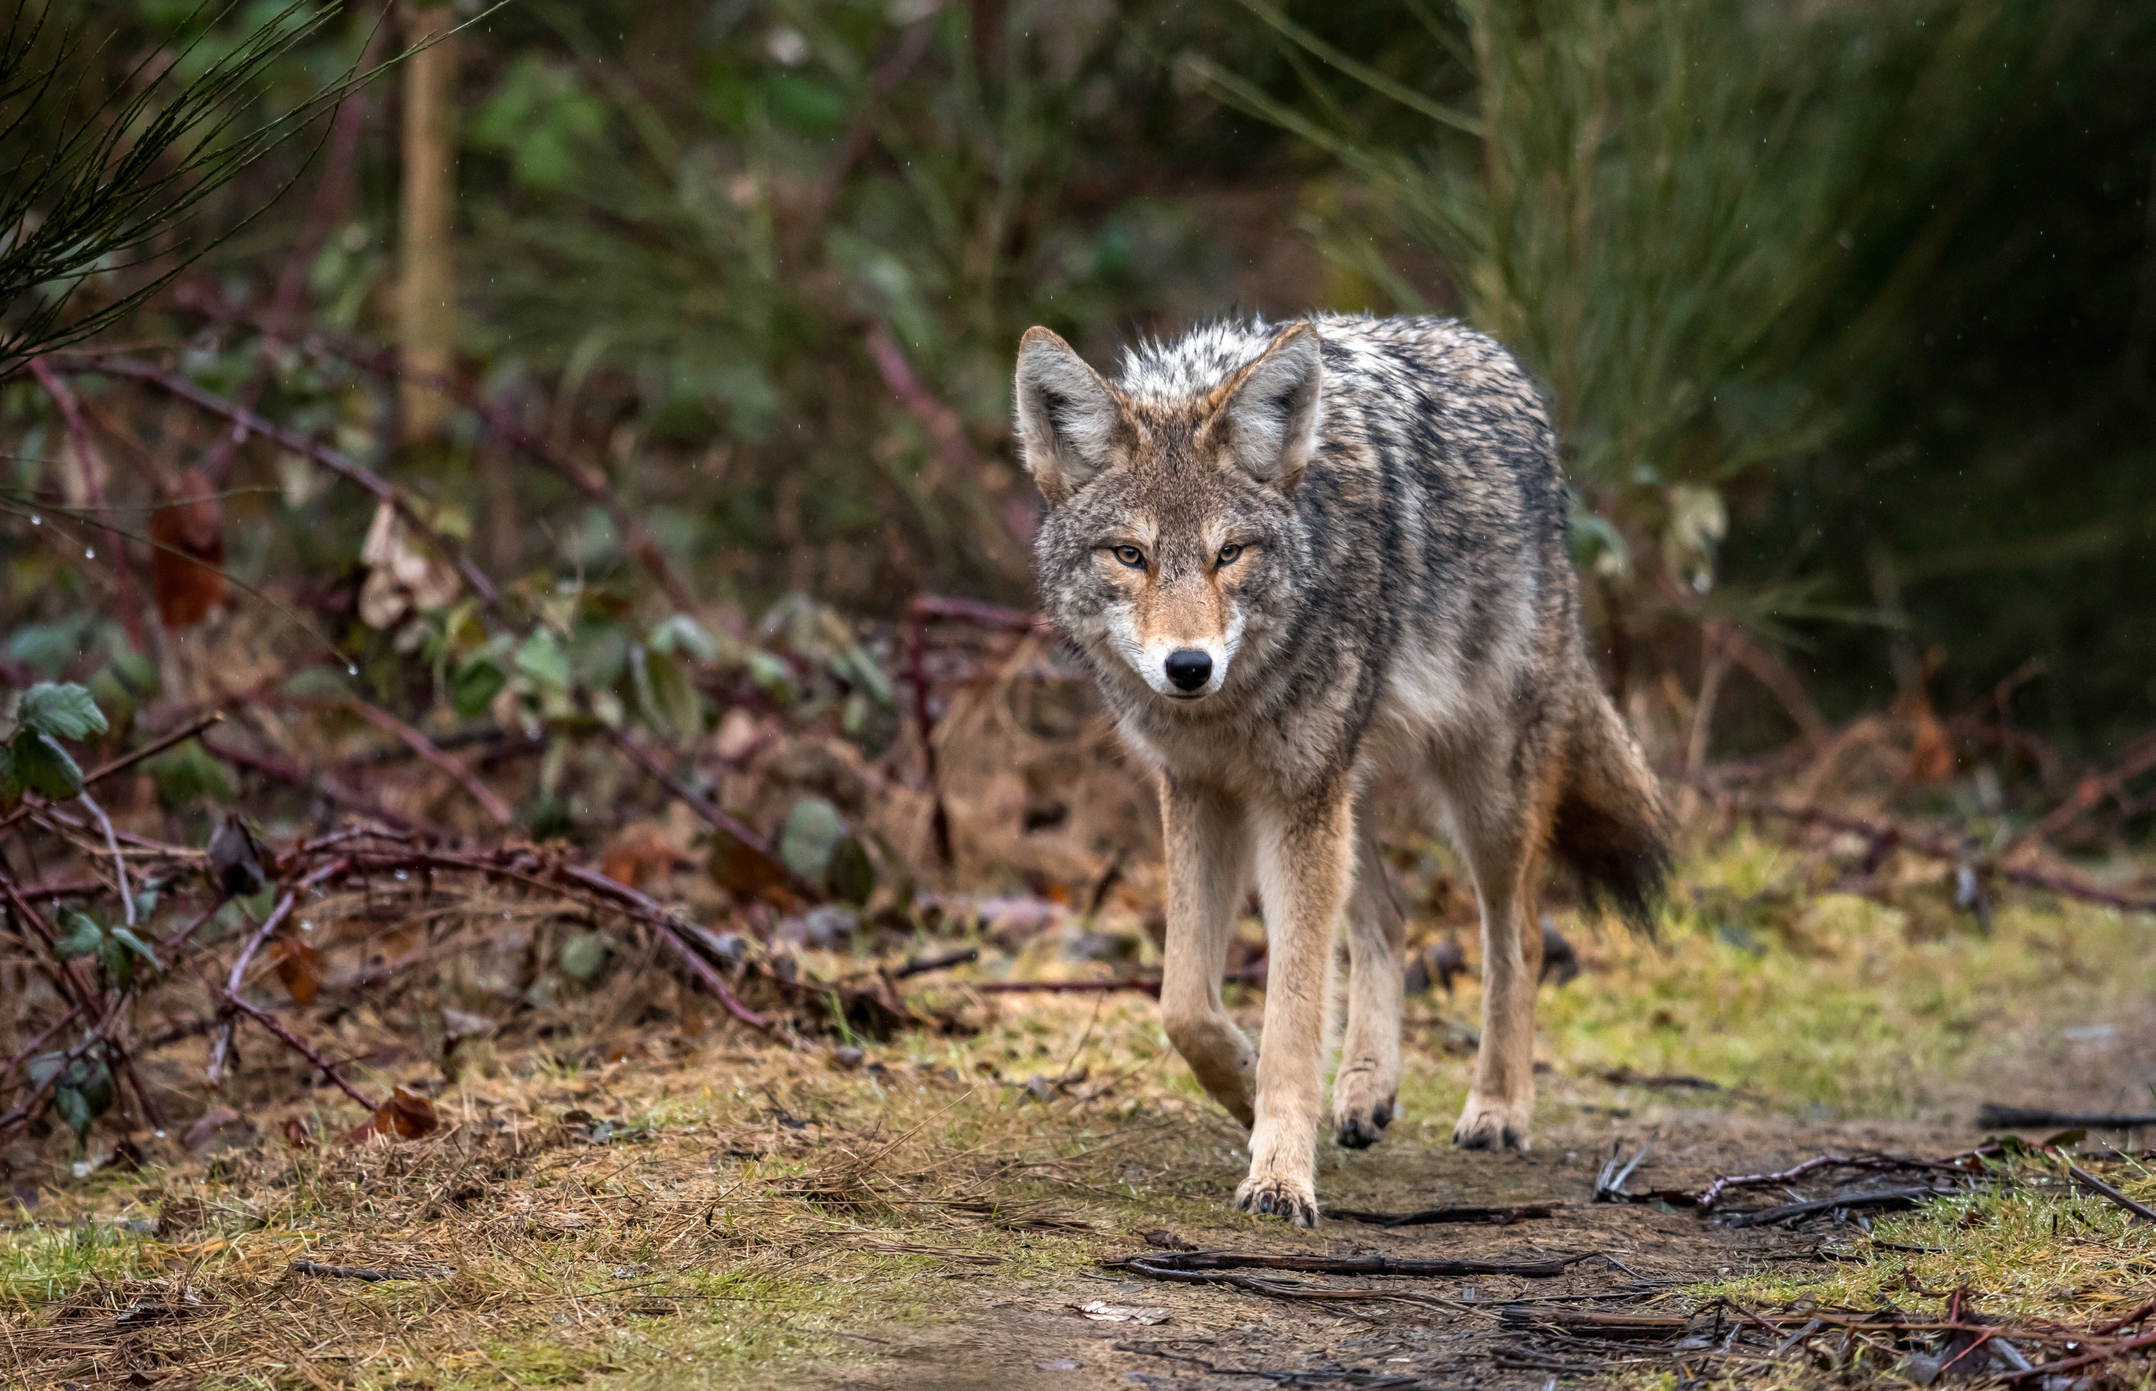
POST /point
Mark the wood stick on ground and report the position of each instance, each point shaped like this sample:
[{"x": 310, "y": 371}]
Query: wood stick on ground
[
  {"x": 1282, "y": 1289},
  {"x": 1996, "y": 1117},
  {"x": 2140, "y": 1211},
  {"x": 702, "y": 806},
  {"x": 1892, "y": 1198},
  {"x": 918, "y": 966},
  {"x": 1345, "y": 1265},
  {"x": 1499, "y": 1216},
  {"x": 331, "y": 790},
  {"x": 360, "y": 1272}
]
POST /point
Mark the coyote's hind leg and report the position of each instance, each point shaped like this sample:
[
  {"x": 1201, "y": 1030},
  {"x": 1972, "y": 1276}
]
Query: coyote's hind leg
[
  {"x": 1505, "y": 852},
  {"x": 1208, "y": 855},
  {"x": 1368, "y": 1082}
]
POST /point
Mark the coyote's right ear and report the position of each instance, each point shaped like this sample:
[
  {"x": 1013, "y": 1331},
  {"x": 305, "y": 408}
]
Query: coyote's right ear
[{"x": 1067, "y": 416}]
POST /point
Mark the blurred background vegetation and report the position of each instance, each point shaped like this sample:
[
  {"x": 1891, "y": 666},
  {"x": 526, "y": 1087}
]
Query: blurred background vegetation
[{"x": 1846, "y": 309}]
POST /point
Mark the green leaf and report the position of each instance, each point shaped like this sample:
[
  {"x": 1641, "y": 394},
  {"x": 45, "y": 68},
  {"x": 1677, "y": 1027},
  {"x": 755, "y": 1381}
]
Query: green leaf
[
  {"x": 814, "y": 831},
  {"x": 583, "y": 955},
  {"x": 479, "y": 678},
  {"x": 10, "y": 790},
  {"x": 39, "y": 765},
  {"x": 62, "y": 711},
  {"x": 773, "y": 677},
  {"x": 806, "y": 105},
  {"x": 542, "y": 659},
  {"x": 681, "y": 633},
  {"x": 74, "y": 1108},
  {"x": 188, "y": 774},
  {"x": 119, "y": 966},
  {"x": 675, "y": 703},
  {"x": 126, "y": 937},
  {"x": 79, "y": 935},
  {"x": 850, "y": 875},
  {"x": 49, "y": 647}
]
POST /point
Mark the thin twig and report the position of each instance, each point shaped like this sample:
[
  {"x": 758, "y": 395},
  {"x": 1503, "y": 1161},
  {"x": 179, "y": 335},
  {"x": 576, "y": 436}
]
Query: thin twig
[
  {"x": 123, "y": 762},
  {"x": 586, "y": 478},
  {"x": 356, "y": 1272},
  {"x": 306, "y": 1050},
  {"x": 420, "y": 744},
  {"x": 300, "y": 444},
  {"x": 119, "y": 862},
  {"x": 93, "y": 482}
]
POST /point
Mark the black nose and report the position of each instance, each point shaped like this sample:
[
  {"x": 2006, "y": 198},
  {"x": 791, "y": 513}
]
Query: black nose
[{"x": 1189, "y": 668}]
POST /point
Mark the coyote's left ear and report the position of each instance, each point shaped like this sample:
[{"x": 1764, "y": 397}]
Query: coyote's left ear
[
  {"x": 1269, "y": 421},
  {"x": 1068, "y": 418}
]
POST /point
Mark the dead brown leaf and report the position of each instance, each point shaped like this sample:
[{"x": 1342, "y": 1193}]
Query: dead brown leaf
[{"x": 190, "y": 534}]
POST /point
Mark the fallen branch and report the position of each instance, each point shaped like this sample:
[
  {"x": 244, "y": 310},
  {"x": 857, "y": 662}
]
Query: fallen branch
[
  {"x": 331, "y": 791},
  {"x": 360, "y": 1272},
  {"x": 1888, "y": 1199},
  {"x": 1996, "y": 1117},
  {"x": 921, "y": 966},
  {"x": 1590, "y": 1322},
  {"x": 2140, "y": 1211},
  {"x": 709, "y": 810},
  {"x": 1343, "y": 1265},
  {"x": 1432, "y": 1216}
]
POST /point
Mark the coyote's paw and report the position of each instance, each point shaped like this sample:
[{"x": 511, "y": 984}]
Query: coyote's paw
[
  {"x": 1362, "y": 1107},
  {"x": 1276, "y": 1195},
  {"x": 1488, "y": 1123}
]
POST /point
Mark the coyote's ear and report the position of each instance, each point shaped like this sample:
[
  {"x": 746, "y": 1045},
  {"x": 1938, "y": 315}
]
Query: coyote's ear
[
  {"x": 1067, "y": 417},
  {"x": 1269, "y": 420}
]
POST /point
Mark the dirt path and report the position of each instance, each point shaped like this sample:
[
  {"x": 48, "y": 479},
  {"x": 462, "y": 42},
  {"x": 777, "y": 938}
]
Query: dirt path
[{"x": 1214, "y": 1337}]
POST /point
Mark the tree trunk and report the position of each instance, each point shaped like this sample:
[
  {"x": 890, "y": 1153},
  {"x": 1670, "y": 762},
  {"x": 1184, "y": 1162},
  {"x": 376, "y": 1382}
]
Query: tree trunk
[{"x": 426, "y": 286}]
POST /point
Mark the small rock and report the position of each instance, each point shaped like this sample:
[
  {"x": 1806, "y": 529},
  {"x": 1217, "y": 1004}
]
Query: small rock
[{"x": 847, "y": 1056}]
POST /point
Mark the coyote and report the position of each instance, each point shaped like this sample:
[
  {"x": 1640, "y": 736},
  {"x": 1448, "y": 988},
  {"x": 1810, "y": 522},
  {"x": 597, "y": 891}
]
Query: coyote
[{"x": 1303, "y": 559}]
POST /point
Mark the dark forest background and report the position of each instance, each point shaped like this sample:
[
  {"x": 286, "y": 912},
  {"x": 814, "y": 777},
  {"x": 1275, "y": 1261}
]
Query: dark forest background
[{"x": 1847, "y": 309}]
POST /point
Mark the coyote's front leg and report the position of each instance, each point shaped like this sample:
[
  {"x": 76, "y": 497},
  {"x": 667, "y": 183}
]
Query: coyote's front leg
[
  {"x": 1208, "y": 855},
  {"x": 1305, "y": 858}
]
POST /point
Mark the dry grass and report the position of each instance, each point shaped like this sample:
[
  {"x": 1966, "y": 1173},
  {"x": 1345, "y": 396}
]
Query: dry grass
[{"x": 644, "y": 1192}]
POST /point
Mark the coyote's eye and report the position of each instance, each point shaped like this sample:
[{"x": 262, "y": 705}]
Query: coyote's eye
[
  {"x": 1131, "y": 556},
  {"x": 1228, "y": 555}
]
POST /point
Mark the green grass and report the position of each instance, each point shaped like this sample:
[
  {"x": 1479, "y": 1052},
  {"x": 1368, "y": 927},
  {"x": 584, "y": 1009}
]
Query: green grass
[
  {"x": 1824, "y": 1001},
  {"x": 41, "y": 1265}
]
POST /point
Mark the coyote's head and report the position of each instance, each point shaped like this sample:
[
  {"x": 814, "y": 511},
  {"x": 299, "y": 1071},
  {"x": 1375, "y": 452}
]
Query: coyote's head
[{"x": 1170, "y": 541}]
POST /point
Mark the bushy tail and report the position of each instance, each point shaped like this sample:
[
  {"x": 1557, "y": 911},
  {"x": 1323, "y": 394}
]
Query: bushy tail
[{"x": 1610, "y": 825}]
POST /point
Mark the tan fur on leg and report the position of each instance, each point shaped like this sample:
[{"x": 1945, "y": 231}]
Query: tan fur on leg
[
  {"x": 1501, "y": 1103},
  {"x": 1305, "y": 860},
  {"x": 1368, "y": 1082},
  {"x": 1208, "y": 854}
]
